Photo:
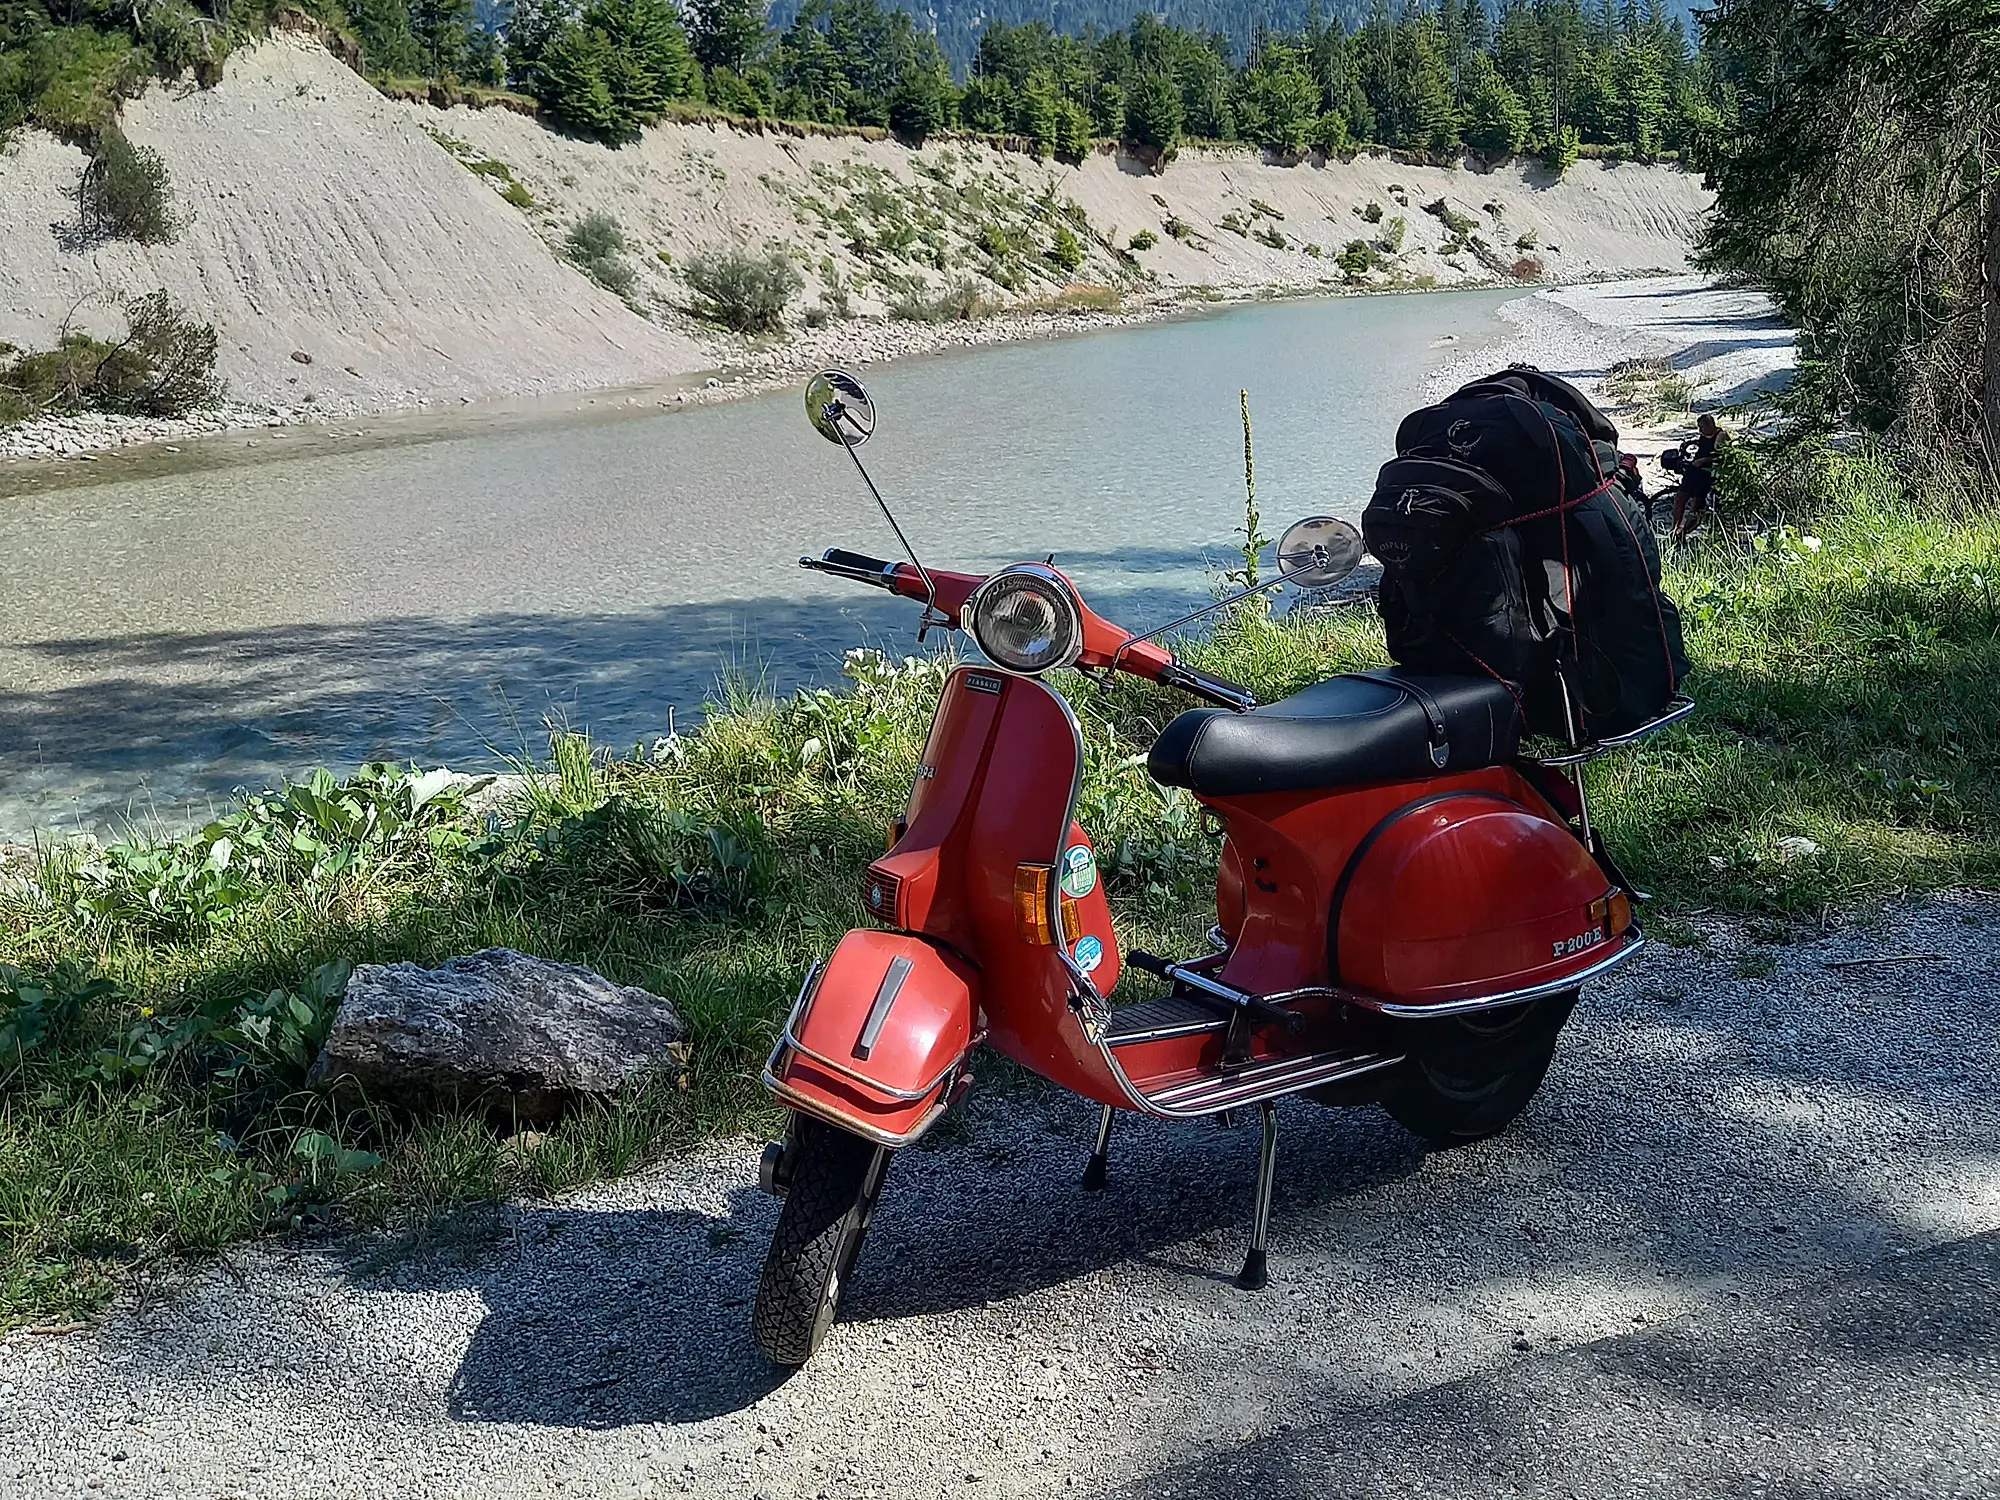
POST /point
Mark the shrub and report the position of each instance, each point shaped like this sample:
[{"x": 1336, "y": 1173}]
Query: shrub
[
  {"x": 125, "y": 194},
  {"x": 996, "y": 241},
  {"x": 748, "y": 293},
  {"x": 164, "y": 366},
  {"x": 960, "y": 302},
  {"x": 1357, "y": 260},
  {"x": 1145, "y": 239},
  {"x": 1233, "y": 222},
  {"x": 1270, "y": 235},
  {"x": 1372, "y": 214},
  {"x": 1460, "y": 225},
  {"x": 1065, "y": 251},
  {"x": 1559, "y": 155},
  {"x": 596, "y": 246}
]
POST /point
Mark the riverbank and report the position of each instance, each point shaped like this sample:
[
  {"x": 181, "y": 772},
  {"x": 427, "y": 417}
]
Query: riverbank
[{"x": 361, "y": 255}]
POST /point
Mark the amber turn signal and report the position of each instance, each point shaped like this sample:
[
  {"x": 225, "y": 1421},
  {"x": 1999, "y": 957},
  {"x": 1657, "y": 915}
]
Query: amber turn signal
[
  {"x": 1031, "y": 903},
  {"x": 1613, "y": 913}
]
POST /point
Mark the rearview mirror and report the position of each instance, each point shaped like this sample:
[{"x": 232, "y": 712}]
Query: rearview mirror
[
  {"x": 1318, "y": 552},
  {"x": 838, "y": 407}
]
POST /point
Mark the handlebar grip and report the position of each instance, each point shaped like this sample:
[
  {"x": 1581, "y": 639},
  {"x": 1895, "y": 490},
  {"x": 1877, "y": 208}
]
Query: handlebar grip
[
  {"x": 840, "y": 558},
  {"x": 853, "y": 566},
  {"x": 1218, "y": 690}
]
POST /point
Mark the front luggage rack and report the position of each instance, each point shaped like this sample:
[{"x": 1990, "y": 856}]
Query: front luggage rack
[{"x": 1678, "y": 708}]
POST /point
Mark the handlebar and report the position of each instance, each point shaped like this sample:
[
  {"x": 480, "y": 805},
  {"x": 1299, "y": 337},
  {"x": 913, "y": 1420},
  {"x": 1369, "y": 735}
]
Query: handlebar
[{"x": 1106, "y": 645}]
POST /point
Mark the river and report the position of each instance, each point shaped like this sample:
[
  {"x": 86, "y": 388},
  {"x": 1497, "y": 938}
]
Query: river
[{"x": 180, "y": 626}]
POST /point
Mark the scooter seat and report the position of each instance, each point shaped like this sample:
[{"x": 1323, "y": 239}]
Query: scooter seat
[{"x": 1347, "y": 731}]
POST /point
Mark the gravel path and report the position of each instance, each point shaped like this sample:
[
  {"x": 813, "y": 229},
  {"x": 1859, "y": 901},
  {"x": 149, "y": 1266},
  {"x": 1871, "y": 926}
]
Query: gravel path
[{"x": 1761, "y": 1210}]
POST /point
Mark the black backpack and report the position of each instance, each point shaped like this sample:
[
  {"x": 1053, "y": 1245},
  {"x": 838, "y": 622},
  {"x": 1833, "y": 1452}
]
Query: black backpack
[
  {"x": 1455, "y": 595},
  {"x": 1533, "y": 448}
]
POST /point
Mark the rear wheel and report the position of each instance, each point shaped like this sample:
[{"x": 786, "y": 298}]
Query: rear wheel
[
  {"x": 835, "y": 1179},
  {"x": 1468, "y": 1077}
]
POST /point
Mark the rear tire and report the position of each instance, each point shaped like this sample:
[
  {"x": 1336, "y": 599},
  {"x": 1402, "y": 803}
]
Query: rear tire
[
  {"x": 1469, "y": 1077},
  {"x": 835, "y": 1180}
]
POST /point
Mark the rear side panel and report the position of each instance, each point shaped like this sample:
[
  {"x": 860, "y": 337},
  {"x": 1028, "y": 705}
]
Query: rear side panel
[{"x": 1468, "y": 895}]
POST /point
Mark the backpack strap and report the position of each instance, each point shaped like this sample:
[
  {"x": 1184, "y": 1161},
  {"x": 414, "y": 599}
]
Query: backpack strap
[{"x": 1440, "y": 739}]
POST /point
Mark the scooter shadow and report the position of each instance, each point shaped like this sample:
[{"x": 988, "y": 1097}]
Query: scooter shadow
[{"x": 609, "y": 1319}]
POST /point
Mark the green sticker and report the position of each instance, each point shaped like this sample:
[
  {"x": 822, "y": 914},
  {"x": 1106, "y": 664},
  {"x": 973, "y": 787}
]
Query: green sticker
[{"x": 1079, "y": 872}]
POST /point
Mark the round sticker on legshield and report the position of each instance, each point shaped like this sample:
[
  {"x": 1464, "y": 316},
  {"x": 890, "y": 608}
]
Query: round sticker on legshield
[
  {"x": 1079, "y": 872},
  {"x": 1089, "y": 953}
]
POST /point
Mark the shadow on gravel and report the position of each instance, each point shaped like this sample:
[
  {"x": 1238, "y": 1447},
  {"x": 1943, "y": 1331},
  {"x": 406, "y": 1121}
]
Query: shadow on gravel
[
  {"x": 1883, "y": 1383},
  {"x": 614, "y": 1319},
  {"x": 607, "y": 1319}
]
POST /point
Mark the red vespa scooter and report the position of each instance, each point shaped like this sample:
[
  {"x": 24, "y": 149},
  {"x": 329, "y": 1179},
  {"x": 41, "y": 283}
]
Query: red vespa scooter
[{"x": 1406, "y": 909}]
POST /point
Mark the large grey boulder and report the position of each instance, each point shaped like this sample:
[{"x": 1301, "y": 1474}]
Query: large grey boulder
[{"x": 521, "y": 1035}]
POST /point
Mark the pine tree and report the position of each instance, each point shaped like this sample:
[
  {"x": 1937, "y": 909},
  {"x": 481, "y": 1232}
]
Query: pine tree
[
  {"x": 1072, "y": 133},
  {"x": 573, "y": 90},
  {"x": 1153, "y": 113},
  {"x": 726, "y": 33},
  {"x": 440, "y": 28},
  {"x": 383, "y": 29},
  {"x": 650, "y": 62},
  {"x": 1432, "y": 112},
  {"x": 1497, "y": 121}
]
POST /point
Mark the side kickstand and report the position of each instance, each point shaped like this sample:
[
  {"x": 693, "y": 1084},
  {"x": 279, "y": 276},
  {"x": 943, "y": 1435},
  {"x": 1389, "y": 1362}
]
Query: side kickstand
[
  {"x": 1094, "y": 1174},
  {"x": 1255, "y": 1275}
]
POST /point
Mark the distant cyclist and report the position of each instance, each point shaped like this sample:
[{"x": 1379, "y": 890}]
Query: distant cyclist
[{"x": 1694, "y": 462}]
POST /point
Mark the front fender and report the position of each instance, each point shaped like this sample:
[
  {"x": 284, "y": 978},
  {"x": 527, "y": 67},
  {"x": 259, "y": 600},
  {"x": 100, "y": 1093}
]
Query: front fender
[{"x": 877, "y": 1036}]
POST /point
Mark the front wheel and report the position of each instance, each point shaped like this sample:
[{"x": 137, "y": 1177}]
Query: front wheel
[
  {"x": 1468, "y": 1077},
  {"x": 835, "y": 1180}
]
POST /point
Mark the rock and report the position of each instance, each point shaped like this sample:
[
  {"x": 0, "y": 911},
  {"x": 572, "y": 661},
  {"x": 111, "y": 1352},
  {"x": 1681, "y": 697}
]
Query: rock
[
  {"x": 1796, "y": 847},
  {"x": 522, "y": 1035},
  {"x": 300, "y": 357}
]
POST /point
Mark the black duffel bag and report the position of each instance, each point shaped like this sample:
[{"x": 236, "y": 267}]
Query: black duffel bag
[
  {"x": 1535, "y": 450},
  {"x": 1540, "y": 385},
  {"x": 1617, "y": 635}
]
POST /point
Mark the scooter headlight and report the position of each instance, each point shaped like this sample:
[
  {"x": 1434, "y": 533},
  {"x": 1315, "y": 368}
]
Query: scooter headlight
[{"x": 1026, "y": 619}]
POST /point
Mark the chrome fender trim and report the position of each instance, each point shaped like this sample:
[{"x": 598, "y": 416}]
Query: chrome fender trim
[{"x": 1409, "y": 1011}]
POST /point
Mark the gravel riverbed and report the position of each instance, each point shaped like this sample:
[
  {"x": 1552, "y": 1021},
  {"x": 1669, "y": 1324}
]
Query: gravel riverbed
[{"x": 1747, "y": 1229}]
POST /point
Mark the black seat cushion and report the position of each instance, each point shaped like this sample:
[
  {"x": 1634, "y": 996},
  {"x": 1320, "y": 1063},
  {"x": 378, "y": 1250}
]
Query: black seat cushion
[{"x": 1347, "y": 731}]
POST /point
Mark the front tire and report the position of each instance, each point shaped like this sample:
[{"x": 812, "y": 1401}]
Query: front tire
[
  {"x": 835, "y": 1180},
  {"x": 1469, "y": 1077}
]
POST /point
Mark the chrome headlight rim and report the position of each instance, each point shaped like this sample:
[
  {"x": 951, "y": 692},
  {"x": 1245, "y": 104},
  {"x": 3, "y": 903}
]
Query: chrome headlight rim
[{"x": 1049, "y": 585}]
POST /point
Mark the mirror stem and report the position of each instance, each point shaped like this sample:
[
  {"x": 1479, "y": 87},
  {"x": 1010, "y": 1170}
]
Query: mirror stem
[
  {"x": 930, "y": 588},
  {"x": 1270, "y": 583}
]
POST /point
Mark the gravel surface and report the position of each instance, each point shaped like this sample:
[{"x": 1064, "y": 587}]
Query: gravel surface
[{"x": 1743, "y": 1243}]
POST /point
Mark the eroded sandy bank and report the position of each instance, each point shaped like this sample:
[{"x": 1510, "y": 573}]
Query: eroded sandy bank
[{"x": 357, "y": 255}]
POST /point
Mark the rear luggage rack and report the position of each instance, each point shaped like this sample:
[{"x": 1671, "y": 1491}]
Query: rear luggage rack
[{"x": 1678, "y": 708}]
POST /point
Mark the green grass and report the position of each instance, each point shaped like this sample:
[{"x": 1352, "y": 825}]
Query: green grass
[
  {"x": 1652, "y": 386},
  {"x": 1850, "y": 696}
]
